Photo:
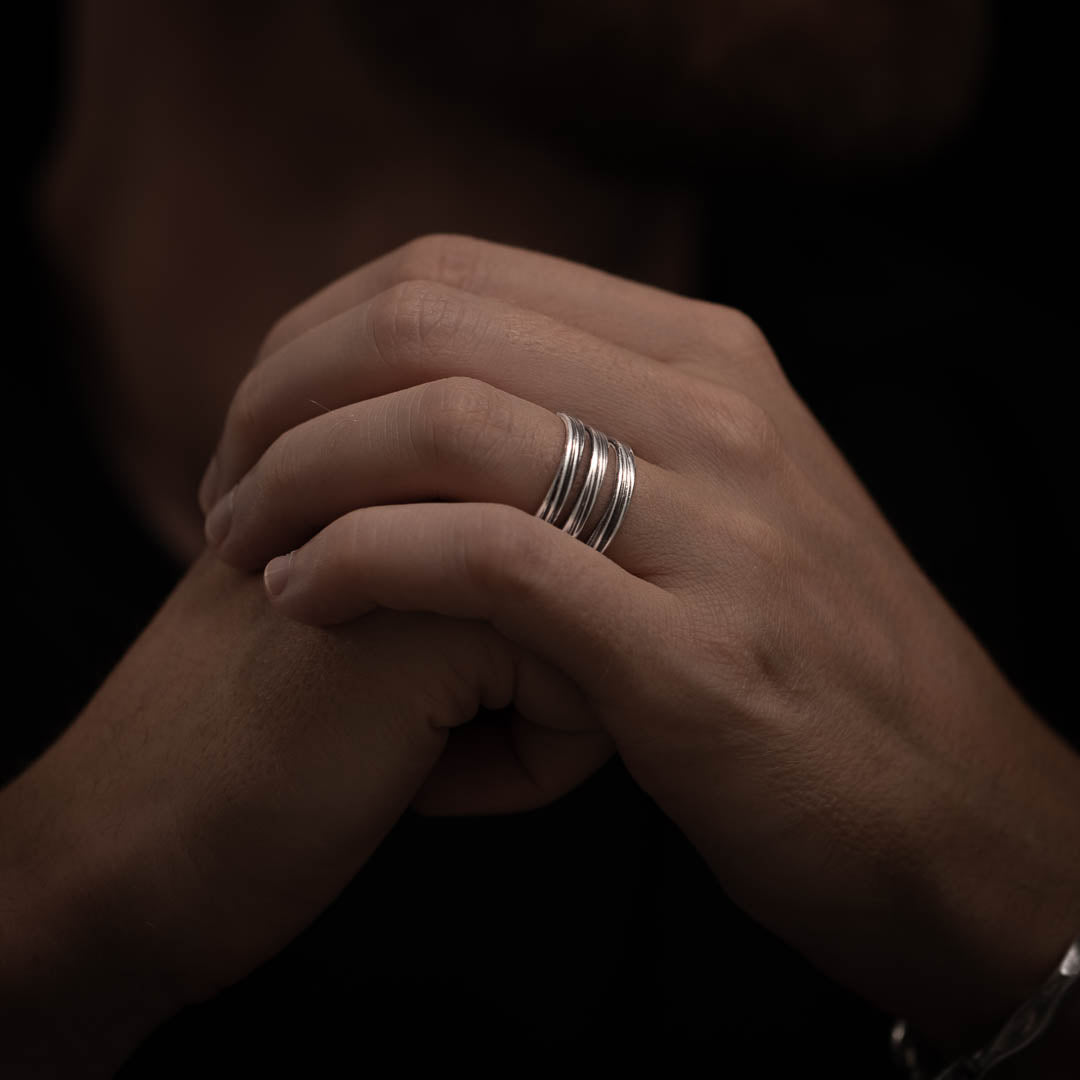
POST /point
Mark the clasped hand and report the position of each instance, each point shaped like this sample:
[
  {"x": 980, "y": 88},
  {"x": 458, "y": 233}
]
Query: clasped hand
[{"x": 756, "y": 644}]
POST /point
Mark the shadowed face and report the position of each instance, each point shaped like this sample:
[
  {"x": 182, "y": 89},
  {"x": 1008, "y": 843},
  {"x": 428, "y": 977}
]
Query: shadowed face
[{"x": 833, "y": 80}]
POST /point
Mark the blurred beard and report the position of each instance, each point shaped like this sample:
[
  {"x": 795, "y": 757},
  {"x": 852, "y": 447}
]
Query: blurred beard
[{"x": 663, "y": 87}]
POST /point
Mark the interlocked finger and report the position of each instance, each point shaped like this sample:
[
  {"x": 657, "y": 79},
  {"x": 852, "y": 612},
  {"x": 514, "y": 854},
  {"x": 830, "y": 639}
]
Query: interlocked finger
[{"x": 455, "y": 439}]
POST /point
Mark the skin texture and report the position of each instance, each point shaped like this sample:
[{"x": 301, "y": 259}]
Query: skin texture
[
  {"x": 773, "y": 668},
  {"x": 221, "y": 788},
  {"x": 261, "y": 188}
]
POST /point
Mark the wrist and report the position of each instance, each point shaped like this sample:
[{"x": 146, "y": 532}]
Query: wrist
[
  {"x": 1056, "y": 1053},
  {"x": 1039, "y": 1039},
  {"x": 1000, "y": 902},
  {"x": 79, "y": 988}
]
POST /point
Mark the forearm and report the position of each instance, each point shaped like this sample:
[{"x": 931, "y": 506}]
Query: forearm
[
  {"x": 78, "y": 991},
  {"x": 150, "y": 857}
]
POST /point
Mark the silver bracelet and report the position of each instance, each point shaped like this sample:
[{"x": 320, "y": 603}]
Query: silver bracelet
[{"x": 1020, "y": 1030}]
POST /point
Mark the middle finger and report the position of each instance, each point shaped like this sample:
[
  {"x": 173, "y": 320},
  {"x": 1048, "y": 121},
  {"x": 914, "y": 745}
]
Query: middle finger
[
  {"x": 457, "y": 439},
  {"x": 420, "y": 331}
]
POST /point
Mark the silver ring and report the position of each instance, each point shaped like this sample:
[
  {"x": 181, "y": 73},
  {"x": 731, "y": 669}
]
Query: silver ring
[
  {"x": 609, "y": 524},
  {"x": 594, "y": 478},
  {"x": 558, "y": 494}
]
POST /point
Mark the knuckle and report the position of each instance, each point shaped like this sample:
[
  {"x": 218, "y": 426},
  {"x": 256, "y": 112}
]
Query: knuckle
[
  {"x": 243, "y": 420},
  {"x": 739, "y": 429},
  {"x": 737, "y": 329},
  {"x": 751, "y": 429},
  {"x": 450, "y": 259},
  {"x": 731, "y": 335},
  {"x": 461, "y": 419},
  {"x": 765, "y": 550},
  {"x": 417, "y": 316}
]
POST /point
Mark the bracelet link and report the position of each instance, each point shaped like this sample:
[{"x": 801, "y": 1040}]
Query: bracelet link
[{"x": 1025, "y": 1025}]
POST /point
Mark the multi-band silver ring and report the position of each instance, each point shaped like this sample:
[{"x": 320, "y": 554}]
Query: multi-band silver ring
[{"x": 554, "y": 505}]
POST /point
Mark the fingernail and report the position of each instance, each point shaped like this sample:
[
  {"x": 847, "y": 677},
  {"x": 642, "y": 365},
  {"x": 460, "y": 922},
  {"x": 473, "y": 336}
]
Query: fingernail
[
  {"x": 217, "y": 524},
  {"x": 276, "y": 574},
  {"x": 206, "y": 488}
]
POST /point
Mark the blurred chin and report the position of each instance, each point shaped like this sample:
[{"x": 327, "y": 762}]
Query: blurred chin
[{"x": 819, "y": 84}]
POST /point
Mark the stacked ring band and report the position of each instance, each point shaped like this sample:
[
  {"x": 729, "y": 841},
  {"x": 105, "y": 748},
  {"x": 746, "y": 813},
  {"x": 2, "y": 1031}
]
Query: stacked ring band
[{"x": 558, "y": 495}]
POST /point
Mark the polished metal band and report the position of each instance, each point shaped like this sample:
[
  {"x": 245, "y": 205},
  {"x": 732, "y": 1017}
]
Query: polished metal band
[
  {"x": 594, "y": 478},
  {"x": 558, "y": 494},
  {"x": 609, "y": 524}
]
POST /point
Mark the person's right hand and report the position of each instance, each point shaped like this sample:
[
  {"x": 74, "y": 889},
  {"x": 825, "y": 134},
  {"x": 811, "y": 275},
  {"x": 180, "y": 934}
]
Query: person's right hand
[
  {"x": 225, "y": 783},
  {"x": 778, "y": 675}
]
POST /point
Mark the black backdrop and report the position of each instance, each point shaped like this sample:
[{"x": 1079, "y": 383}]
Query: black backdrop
[{"x": 927, "y": 316}]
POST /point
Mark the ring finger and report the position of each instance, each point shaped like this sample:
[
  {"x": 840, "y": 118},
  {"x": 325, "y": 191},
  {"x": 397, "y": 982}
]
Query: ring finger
[{"x": 454, "y": 439}]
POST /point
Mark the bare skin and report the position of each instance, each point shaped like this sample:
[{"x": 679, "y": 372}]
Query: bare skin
[
  {"x": 150, "y": 857},
  {"x": 244, "y": 175},
  {"x": 161, "y": 387},
  {"x": 771, "y": 665},
  {"x": 257, "y": 204}
]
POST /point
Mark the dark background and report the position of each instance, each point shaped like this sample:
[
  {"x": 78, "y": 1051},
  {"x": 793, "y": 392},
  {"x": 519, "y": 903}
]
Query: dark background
[{"x": 927, "y": 316}]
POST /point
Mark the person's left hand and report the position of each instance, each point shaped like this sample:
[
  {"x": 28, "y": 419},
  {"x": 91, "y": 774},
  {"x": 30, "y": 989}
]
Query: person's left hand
[{"x": 773, "y": 668}]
